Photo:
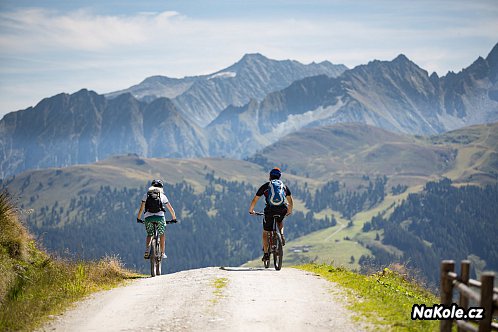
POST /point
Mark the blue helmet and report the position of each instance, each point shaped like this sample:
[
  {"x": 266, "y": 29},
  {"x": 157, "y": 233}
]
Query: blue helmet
[
  {"x": 157, "y": 183},
  {"x": 275, "y": 173}
]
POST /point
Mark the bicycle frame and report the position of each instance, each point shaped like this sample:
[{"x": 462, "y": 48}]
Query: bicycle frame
[
  {"x": 275, "y": 247},
  {"x": 155, "y": 256}
]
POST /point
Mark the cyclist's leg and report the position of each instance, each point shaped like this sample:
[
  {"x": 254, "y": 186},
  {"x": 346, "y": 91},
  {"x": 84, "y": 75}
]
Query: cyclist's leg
[
  {"x": 162, "y": 242},
  {"x": 280, "y": 224},
  {"x": 150, "y": 233},
  {"x": 265, "y": 241},
  {"x": 267, "y": 227},
  {"x": 161, "y": 230}
]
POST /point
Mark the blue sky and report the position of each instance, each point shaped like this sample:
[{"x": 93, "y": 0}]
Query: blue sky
[{"x": 49, "y": 47}]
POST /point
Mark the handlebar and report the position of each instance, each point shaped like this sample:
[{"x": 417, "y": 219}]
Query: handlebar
[
  {"x": 257, "y": 213},
  {"x": 172, "y": 221}
]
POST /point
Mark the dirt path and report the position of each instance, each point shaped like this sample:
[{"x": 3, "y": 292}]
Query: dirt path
[{"x": 214, "y": 299}]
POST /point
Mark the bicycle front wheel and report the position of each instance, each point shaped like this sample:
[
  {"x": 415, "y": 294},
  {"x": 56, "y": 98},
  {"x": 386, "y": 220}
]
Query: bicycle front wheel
[
  {"x": 153, "y": 258},
  {"x": 278, "y": 254}
]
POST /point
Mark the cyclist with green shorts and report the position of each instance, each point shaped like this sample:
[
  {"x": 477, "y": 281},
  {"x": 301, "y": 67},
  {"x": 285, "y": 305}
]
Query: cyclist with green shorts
[{"x": 153, "y": 203}]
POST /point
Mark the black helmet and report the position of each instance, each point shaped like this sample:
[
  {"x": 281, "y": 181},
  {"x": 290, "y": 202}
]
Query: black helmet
[
  {"x": 275, "y": 173},
  {"x": 157, "y": 183}
]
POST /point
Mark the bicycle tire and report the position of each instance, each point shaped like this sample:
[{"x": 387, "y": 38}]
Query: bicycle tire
[
  {"x": 159, "y": 259},
  {"x": 278, "y": 254},
  {"x": 152, "y": 258}
]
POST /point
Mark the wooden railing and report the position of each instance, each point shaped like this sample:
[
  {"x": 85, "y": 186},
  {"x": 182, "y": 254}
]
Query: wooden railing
[{"x": 486, "y": 298}]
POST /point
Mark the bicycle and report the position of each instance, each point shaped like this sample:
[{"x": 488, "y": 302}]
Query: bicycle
[
  {"x": 275, "y": 246},
  {"x": 155, "y": 250}
]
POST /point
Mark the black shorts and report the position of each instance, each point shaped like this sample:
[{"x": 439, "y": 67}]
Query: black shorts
[{"x": 273, "y": 212}]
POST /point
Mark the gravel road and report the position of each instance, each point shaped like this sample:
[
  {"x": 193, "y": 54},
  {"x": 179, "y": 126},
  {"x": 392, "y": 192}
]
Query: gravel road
[{"x": 214, "y": 299}]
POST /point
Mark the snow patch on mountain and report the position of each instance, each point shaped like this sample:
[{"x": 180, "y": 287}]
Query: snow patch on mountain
[
  {"x": 451, "y": 122},
  {"x": 225, "y": 74},
  {"x": 295, "y": 122}
]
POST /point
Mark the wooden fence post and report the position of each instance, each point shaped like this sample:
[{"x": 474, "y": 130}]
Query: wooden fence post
[
  {"x": 465, "y": 276},
  {"x": 446, "y": 291},
  {"x": 487, "y": 279}
]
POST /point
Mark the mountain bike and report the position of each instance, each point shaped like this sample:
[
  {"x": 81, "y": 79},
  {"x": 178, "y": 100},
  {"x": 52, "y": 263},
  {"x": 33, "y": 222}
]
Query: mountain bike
[
  {"x": 275, "y": 246},
  {"x": 155, "y": 257}
]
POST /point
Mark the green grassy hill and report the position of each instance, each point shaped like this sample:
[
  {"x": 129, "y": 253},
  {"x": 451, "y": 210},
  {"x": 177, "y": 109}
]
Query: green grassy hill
[
  {"x": 349, "y": 151},
  {"x": 38, "y": 188},
  {"x": 477, "y": 157}
]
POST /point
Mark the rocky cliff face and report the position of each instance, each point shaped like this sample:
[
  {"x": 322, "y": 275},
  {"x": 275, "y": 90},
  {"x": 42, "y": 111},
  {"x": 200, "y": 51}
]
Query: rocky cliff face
[{"x": 85, "y": 127}]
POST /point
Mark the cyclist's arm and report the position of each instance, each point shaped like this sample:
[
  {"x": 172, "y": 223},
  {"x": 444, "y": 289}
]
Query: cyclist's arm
[
  {"x": 290, "y": 206},
  {"x": 253, "y": 204},
  {"x": 141, "y": 210},
  {"x": 171, "y": 210}
]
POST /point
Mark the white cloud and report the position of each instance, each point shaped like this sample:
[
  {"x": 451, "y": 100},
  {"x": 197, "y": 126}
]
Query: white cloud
[
  {"x": 48, "y": 34},
  {"x": 38, "y": 30}
]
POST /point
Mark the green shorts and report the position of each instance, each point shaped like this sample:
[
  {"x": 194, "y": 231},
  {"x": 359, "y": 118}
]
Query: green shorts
[{"x": 149, "y": 227}]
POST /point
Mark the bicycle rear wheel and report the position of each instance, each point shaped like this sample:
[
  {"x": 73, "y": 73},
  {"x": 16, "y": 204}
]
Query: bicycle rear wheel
[{"x": 278, "y": 254}]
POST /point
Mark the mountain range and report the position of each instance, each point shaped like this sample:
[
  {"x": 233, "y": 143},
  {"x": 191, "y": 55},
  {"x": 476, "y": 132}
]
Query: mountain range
[
  {"x": 394, "y": 95},
  {"x": 244, "y": 108},
  {"x": 161, "y": 117},
  {"x": 201, "y": 98}
]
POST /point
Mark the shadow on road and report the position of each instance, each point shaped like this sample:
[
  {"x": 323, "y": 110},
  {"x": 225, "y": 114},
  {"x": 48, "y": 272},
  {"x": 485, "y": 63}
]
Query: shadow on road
[{"x": 241, "y": 269}]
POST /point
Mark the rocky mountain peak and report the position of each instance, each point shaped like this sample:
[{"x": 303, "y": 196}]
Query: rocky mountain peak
[
  {"x": 493, "y": 55},
  {"x": 401, "y": 59},
  {"x": 492, "y": 60},
  {"x": 253, "y": 57},
  {"x": 248, "y": 61}
]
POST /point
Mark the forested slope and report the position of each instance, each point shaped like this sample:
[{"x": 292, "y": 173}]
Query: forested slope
[{"x": 442, "y": 221}]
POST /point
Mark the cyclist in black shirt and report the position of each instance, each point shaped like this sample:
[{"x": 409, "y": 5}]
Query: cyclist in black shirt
[{"x": 274, "y": 206}]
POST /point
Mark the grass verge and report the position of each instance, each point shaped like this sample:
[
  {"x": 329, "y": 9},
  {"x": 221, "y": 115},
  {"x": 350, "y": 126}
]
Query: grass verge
[
  {"x": 34, "y": 285},
  {"x": 384, "y": 299}
]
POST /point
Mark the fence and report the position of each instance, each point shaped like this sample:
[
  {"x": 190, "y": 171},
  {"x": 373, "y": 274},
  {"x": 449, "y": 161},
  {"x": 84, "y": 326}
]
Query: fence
[{"x": 486, "y": 298}]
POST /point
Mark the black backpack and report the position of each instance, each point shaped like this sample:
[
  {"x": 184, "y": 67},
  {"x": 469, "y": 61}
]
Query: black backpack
[{"x": 153, "y": 202}]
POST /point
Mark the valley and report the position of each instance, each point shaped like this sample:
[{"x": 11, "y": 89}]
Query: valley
[{"x": 212, "y": 195}]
